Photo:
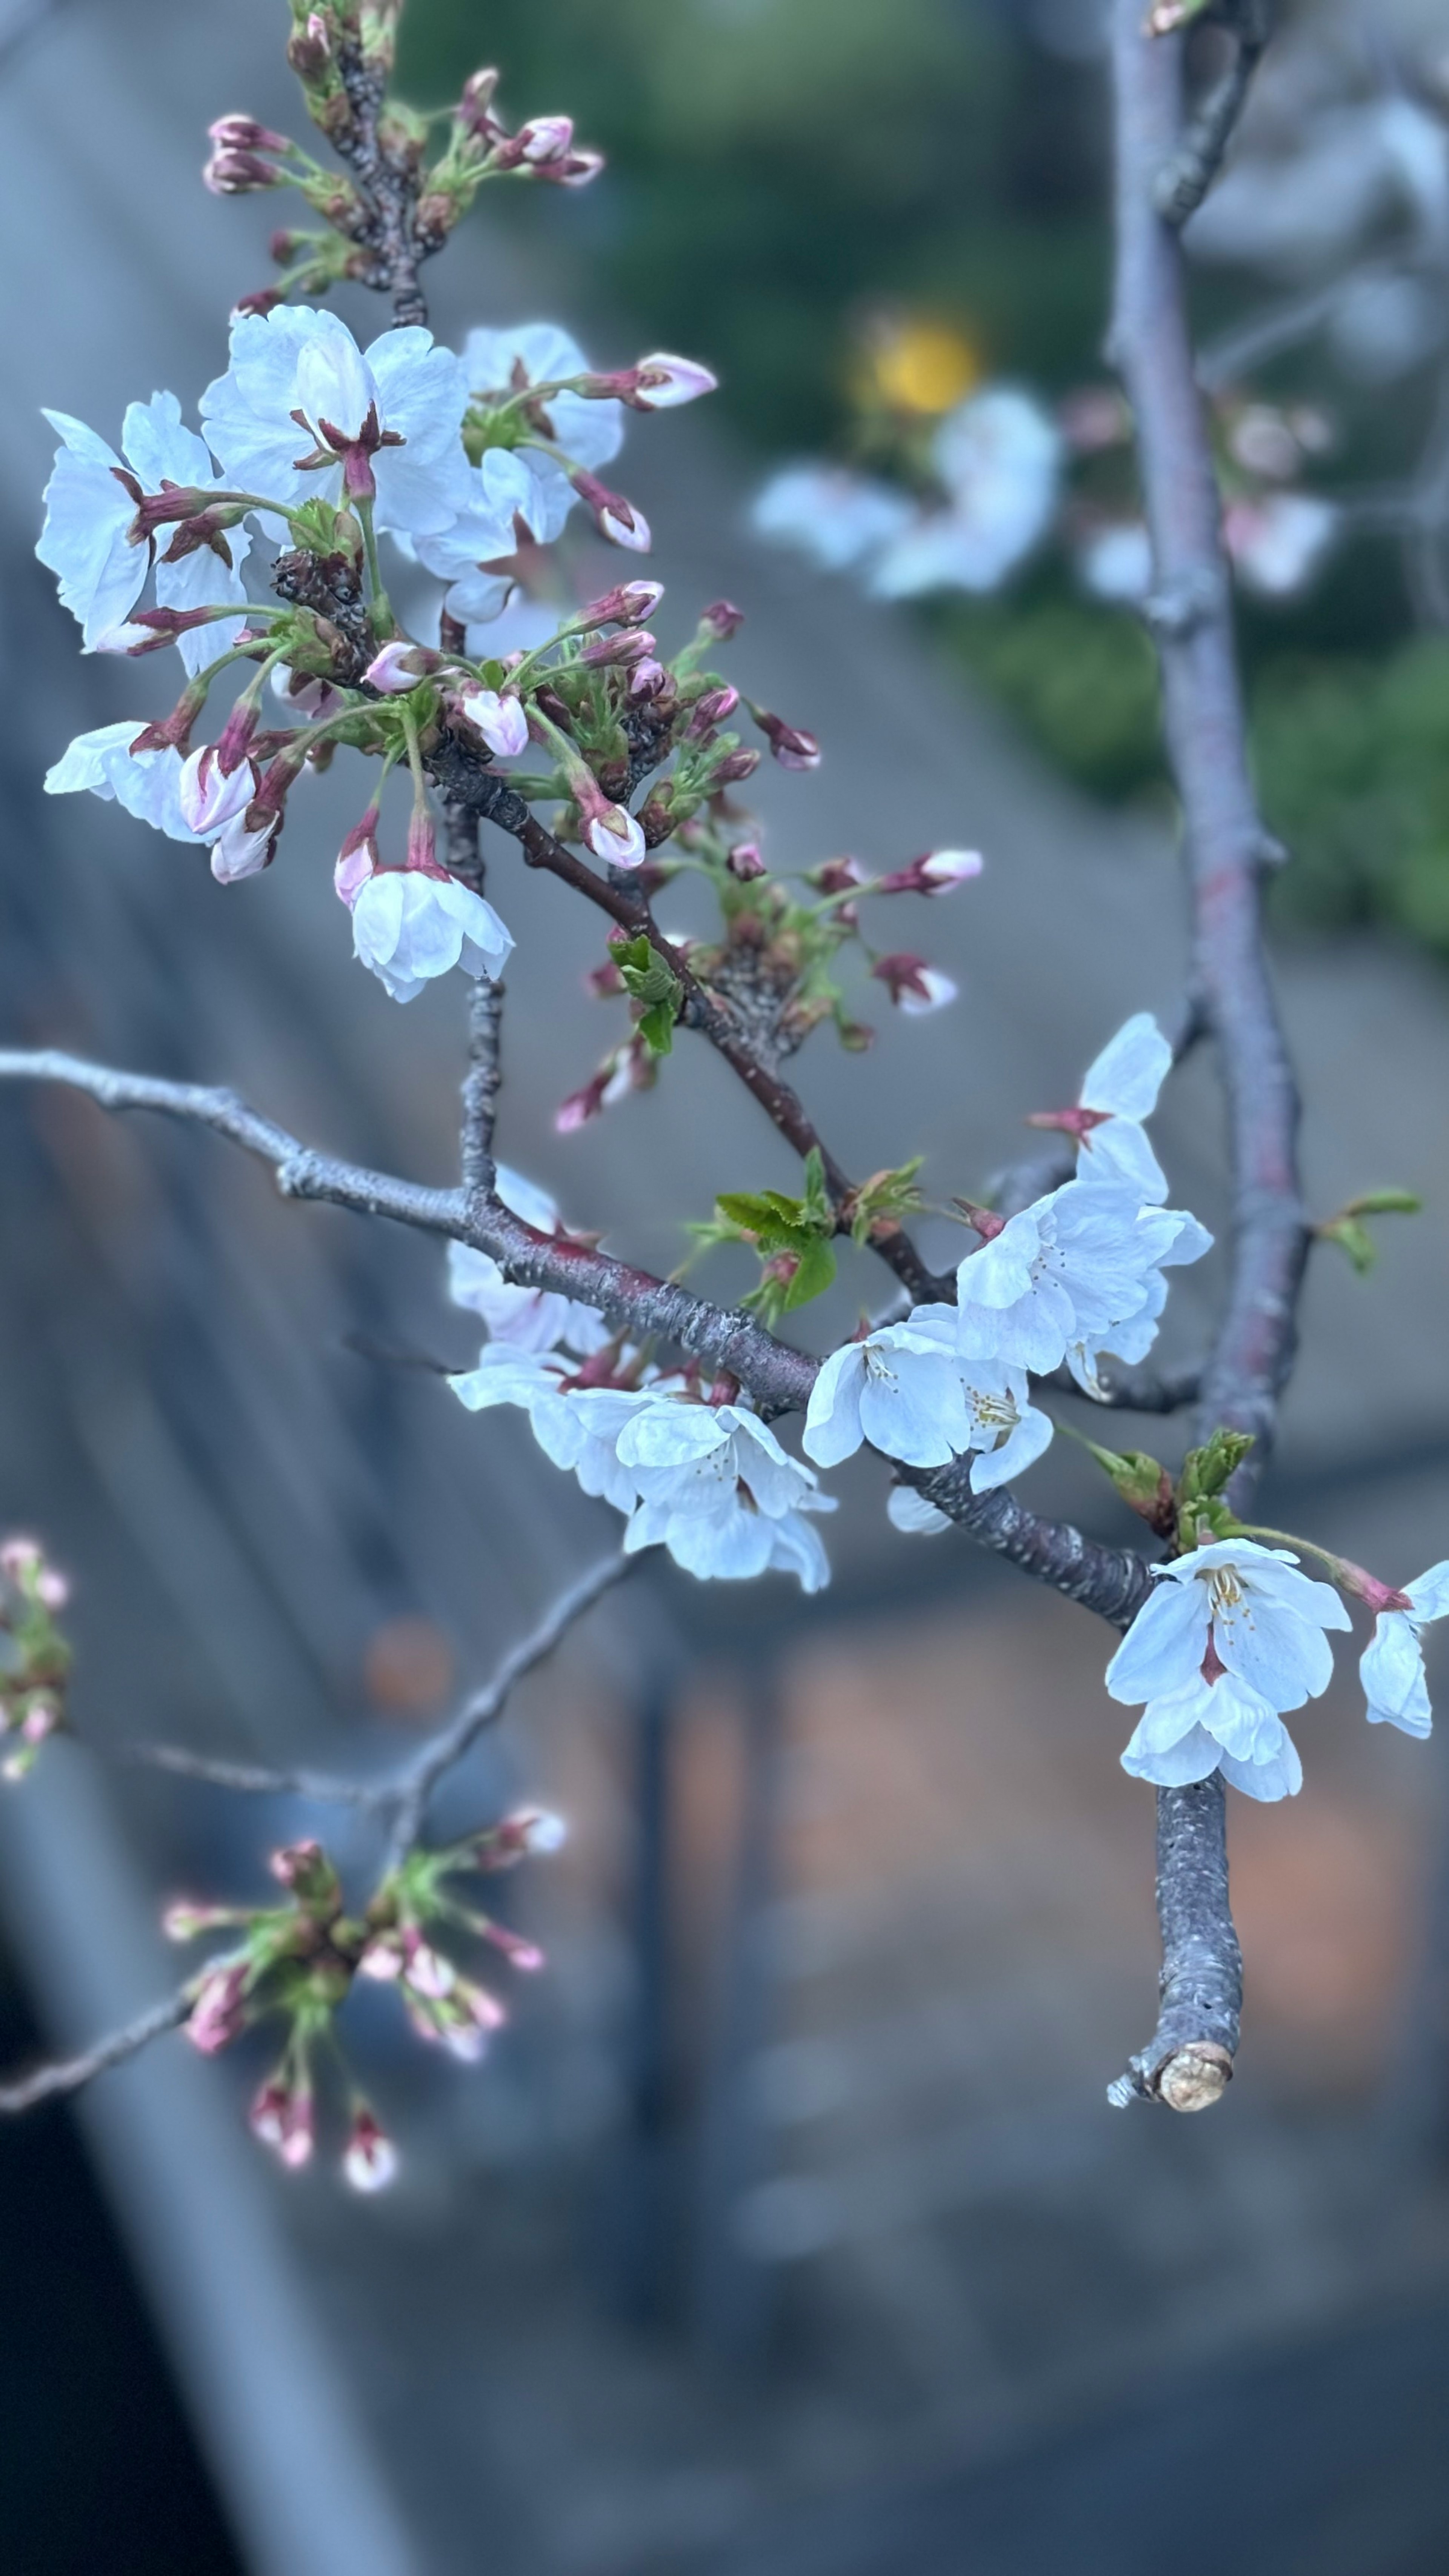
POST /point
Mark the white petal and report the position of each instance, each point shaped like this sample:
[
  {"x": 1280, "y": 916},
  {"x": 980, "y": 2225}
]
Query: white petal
[
  {"x": 1193, "y": 1756},
  {"x": 147, "y": 783},
  {"x": 1430, "y": 1593},
  {"x": 910, "y": 1513},
  {"x": 833, "y": 1428},
  {"x": 1021, "y": 1447},
  {"x": 1275, "y": 1653},
  {"x": 1119, "y": 1154},
  {"x": 1164, "y": 1647},
  {"x": 1391, "y": 1669},
  {"x": 1280, "y": 1775},
  {"x": 795, "y": 1548},
  {"x": 1127, "y": 1076}
]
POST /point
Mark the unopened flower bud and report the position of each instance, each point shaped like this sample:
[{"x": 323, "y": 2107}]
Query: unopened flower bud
[
  {"x": 709, "y": 712},
  {"x": 500, "y": 718},
  {"x": 614, "y": 517},
  {"x": 630, "y": 603},
  {"x": 837, "y": 876},
  {"x": 661, "y": 382},
  {"x": 612, "y": 834},
  {"x": 735, "y": 766},
  {"x": 544, "y": 138},
  {"x": 243, "y": 134},
  {"x": 236, "y": 735},
  {"x": 243, "y": 849},
  {"x": 476, "y": 103},
  {"x": 540, "y": 1830},
  {"x": 281, "y": 2117},
  {"x": 914, "y": 986},
  {"x": 309, "y": 48},
  {"x": 399, "y": 667},
  {"x": 937, "y": 873},
  {"x": 792, "y": 748},
  {"x": 572, "y": 169},
  {"x": 239, "y": 174},
  {"x": 648, "y": 679},
  {"x": 370, "y": 2160},
  {"x": 219, "y": 2011},
  {"x": 722, "y": 619},
  {"x": 52, "y": 1590},
  {"x": 744, "y": 861},
  {"x": 20, "y": 1557},
  {"x": 607, "y": 652}
]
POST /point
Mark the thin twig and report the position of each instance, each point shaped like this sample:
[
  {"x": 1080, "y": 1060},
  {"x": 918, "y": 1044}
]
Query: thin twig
[
  {"x": 1224, "y": 846},
  {"x": 68, "y": 2074},
  {"x": 254, "y": 1779}
]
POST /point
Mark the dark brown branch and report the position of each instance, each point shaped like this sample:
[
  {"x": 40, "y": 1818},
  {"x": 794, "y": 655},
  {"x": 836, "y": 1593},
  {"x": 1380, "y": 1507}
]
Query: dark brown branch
[
  {"x": 1224, "y": 844},
  {"x": 1112, "y": 1581},
  {"x": 1144, "y": 1391},
  {"x": 68, "y": 2074},
  {"x": 387, "y": 182},
  {"x": 1184, "y": 180}
]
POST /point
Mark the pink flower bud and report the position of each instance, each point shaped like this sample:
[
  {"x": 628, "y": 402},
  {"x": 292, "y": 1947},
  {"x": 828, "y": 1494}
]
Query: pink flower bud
[
  {"x": 937, "y": 873},
  {"x": 540, "y": 1830},
  {"x": 722, "y": 619},
  {"x": 19, "y": 1557},
  {"x": 425, "y": 1969},
  {"x": 572, "y": 170},
  {"x": 281, "y": 2117},
  {"x": 238, "y": 174},
  {"x": 370, "y": 2160},
  {"x": 219, "y": 2011},
  {"x": 243, "y": 850},
  {"x": 41, "y": 1719},
  {"x": 502, "y": 720},
  {"x": 236, "y": 736},
  {"x": 476, "y": 103},
  {"x": 712, "y": 710},
  {"x": 357, "y": 859},
  {"x": 183, "y": 1921},
  {"x": 612, "y": 833},
  {"x": 648, "y": 680},
  {"x": 399, "y": 666},
  {"x": 614, "y": 517},
  {"x": 208, "y": 796},
  {"x": 52, "y": 1590},
  {"x": 662, "y": 381},
  {"x": 525, "y": 1956},
  {"x": 630, "y": 604},
  {"x": 635, "y": 644},
  {"x": 837, "y": 876},
  {"x": 792, "y": 748},
  {"x": 735, "y": 766},
  {"x": 913, "y": 985},
  {"x": 243, "y": 134},
  {"x": 544, "y": 138},
  {"x": 744, "y": 861}
]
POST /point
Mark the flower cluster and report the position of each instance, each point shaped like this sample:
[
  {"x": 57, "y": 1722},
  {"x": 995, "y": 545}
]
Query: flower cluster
[
  {"x": 297, "y": 1962},
  {"x": 34, "y": 1656}
]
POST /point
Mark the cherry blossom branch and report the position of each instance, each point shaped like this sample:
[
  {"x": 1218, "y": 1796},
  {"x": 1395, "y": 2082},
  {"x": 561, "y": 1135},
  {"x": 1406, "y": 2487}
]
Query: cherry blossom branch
[
  {"x": 388, "y": 183},
  {"x": 1112, "y": 1581},
  {"x": 68, "y": 2074},
  {"x": 473, "y": 787},
  {"x": 1189, "y": 2059}
]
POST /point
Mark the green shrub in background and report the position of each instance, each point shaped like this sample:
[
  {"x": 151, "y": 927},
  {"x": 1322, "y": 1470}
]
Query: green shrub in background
[{"x": 776, "y": 165}]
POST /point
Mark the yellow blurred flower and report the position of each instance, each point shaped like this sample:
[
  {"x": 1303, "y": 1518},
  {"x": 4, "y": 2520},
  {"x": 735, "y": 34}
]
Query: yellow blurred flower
[{"x": 909, "y": 363}]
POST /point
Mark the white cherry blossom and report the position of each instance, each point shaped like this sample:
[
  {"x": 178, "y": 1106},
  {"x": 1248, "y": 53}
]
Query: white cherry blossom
[
  {"x": 835, "y": 517},
  {"x": 899, "y": 1388},
  {"x": 999, "y": 456},
  {"x": 734, "y": 1541},
  {"x": 1063, "y": 1276},
  {"x": 89, "y": 507},
  {"x": 497, "y": 490},
  {"x": 687, "y": 1456},
  {"x": 499, "y": 364},
  {"x": 577, "y": 1428},
  {"x": 409, "y": 925},
  {"x": 1007, "y": 1431},
  {"x": 209, "y": 797},
  {"x": 298, "y": 359},
  {"x": 1235, "y": 1618},
  {"x": 146, "y": 783},
  {"x": 527, "y": 1319},
  {"x": 1391, "y": 1667}
]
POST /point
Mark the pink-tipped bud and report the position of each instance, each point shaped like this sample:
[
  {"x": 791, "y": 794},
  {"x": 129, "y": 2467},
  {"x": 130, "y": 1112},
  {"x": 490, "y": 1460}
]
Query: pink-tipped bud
[
  {"x": 939, "y": 872},
  {"x": 914, "y": 986},
  {"x": 572, "y": 169},
  {"x": 41, "y": 1719},
  {"x": 476, "y": 104},
  {"x": 709, "y": 712},
  {"x": 526, "y": 1956},
  {"x": 243, "y": 134},
  {"x": 399, "y": 666},
  {"x": 20, "y": 1557},
  {"x": 608, "y": 652},
  {"x": 614, "y": 517},
  {"x": 544, "y": 139},
  {"x": 744, "y": 861},
  {"x": 370, "y": 2160},
  {"x": 502, "y": 720},
  {"x": 52, "y": 1590},
  {"x": 184, "y": 1921},
  {"x": 208, "y": 796},
  {"x": 648, "y": 679},
  {"x": 792, "y": 748},
  {"x": 282, "y": 2118},
  {"x": 538, "y": 1829},
  {"x": 837, "y": 876},
  {"x": 630, "y": 603},
  {"x": 219, "y": 2011},
  {"x": 425, "y": 1969},
  {"x": 735, "y": 766},
  {"x": 722, "y": 619},
  {"x": 661, "y": 382},
  {"x": 612, "y": 834},
  {"x": 357, "y": 859},
  {"x": 243, "y": 849},
  {"x": 239, "y": 174}
]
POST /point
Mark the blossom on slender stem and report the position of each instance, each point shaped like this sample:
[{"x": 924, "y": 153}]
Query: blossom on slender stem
[
  {"x": 412, "y": 923},
  {"x": 720, "y": 1494},
  {"x": 658, "y": 383},
  {"x": 793, "y": 748},
  {"x": 90, "y": 507},
  {"x": 578, "y": 1429},
  {"x": 146, "y": 783},
  {"x": 610, "y": 831},
  {"x": 1233, "y": 1635},
  {"x": 913, "y": 986},
  {"x": 208, "y": 797},
  {"x": 527, "y": 1319},
  {"x": 1391, "y": 1667},
  {"x": 243, "y": 849},
  {"x": 219, "y": 2012},
  {"x": 283, "y": 2116},
  {"x": 1118, "y": 1091},
  {"x": 383, "y": 422}
]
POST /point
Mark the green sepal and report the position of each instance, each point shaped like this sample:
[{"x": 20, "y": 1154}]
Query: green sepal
[
  {"x": 1206, "y": 1471},
  {"x": 885, "y": 1199},
  {"x": 1142, "y": 1481},
  {"x": 650, "y": 980}
]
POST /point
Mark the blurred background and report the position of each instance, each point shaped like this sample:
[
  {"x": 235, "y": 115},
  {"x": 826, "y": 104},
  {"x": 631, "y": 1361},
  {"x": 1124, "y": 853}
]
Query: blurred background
[{"x": 787, "y": 2227}]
